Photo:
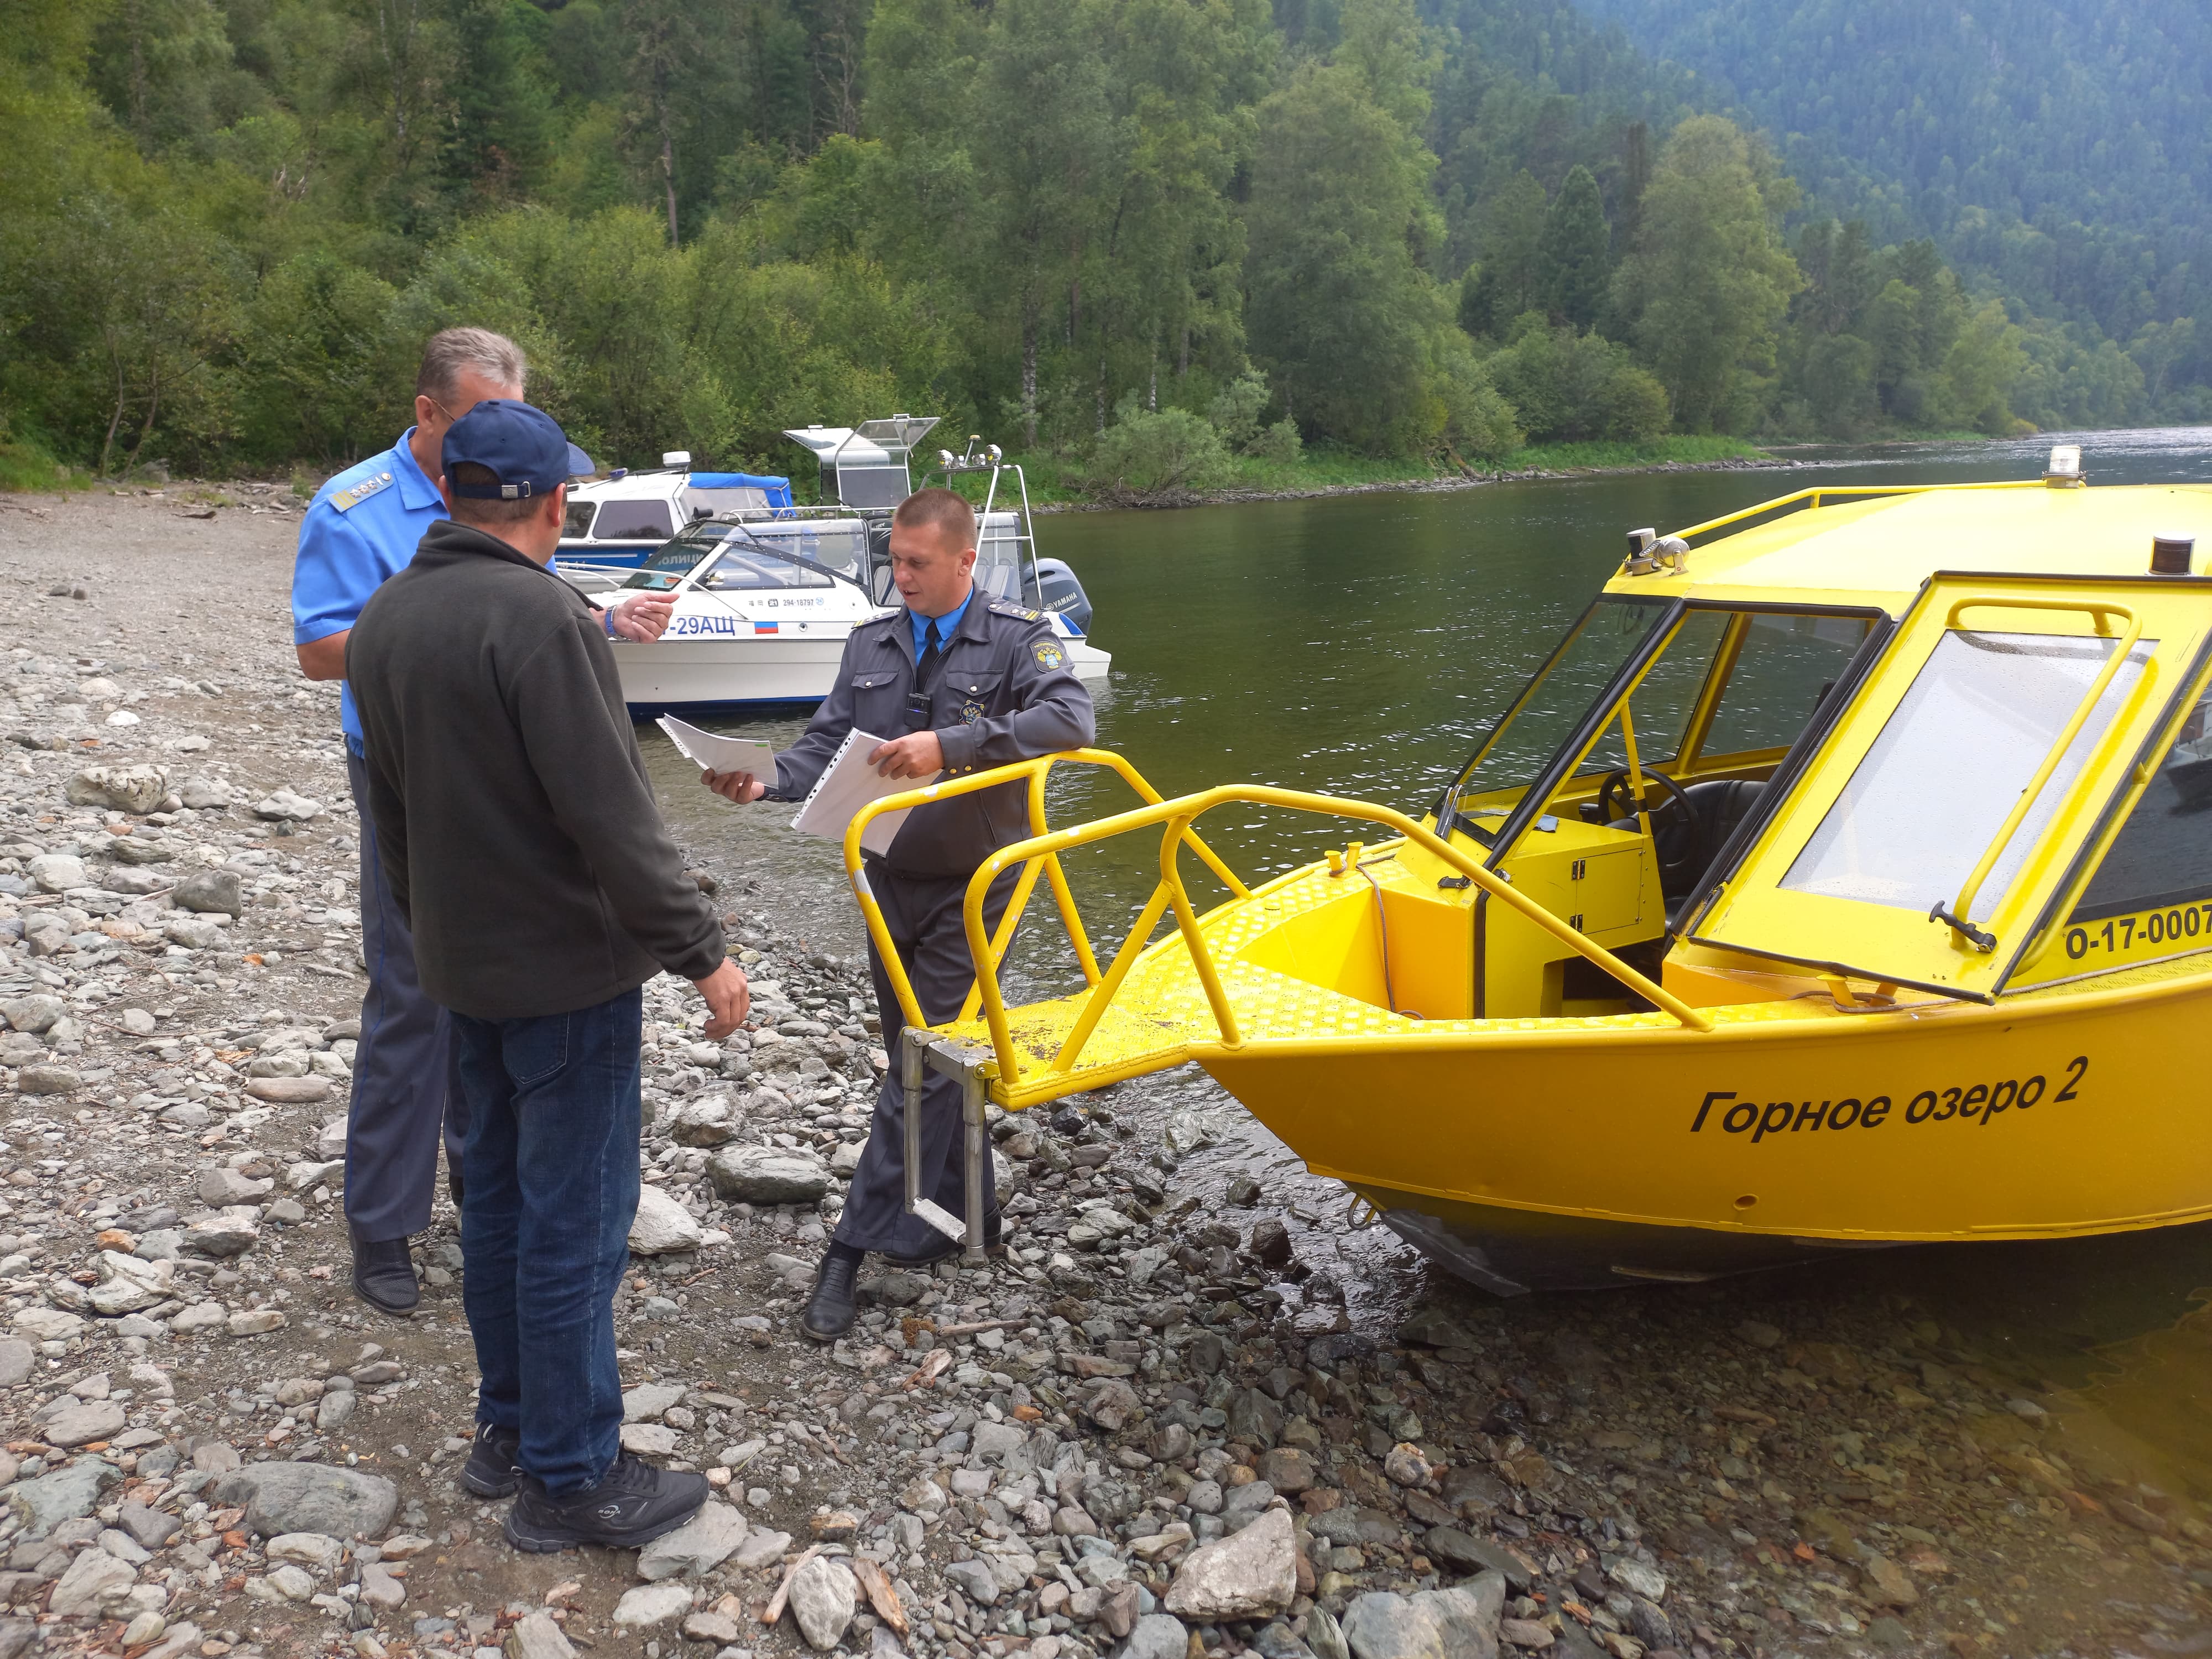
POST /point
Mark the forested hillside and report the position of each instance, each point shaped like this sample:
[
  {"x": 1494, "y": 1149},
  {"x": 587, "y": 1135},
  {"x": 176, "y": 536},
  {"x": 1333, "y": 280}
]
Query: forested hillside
[
  {"x": 2059, "y": 151},
  {"x": 1148, "y": 241}
]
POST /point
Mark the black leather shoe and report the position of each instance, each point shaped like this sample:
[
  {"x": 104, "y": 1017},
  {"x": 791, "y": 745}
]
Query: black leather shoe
[
  {"x": 945, "y": 1249},
  {"x": 490, "y": 1471},
  {"x": 633, "y": 1504},
  {"x": 829, "y": 1313},
  {"x": 384, "y": 1276}
]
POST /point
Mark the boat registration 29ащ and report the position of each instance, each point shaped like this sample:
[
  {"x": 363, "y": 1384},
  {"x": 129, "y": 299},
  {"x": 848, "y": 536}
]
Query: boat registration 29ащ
[{"x": 1976, "y": 1102}]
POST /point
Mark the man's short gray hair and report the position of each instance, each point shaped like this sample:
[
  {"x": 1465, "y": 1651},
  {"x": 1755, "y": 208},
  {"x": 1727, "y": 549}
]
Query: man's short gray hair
[{"x": 494, "y": 357}]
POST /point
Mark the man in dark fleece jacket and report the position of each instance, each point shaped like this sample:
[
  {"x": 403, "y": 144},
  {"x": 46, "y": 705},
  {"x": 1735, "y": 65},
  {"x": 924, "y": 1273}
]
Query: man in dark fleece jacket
[{"x": 521, "y": 841}]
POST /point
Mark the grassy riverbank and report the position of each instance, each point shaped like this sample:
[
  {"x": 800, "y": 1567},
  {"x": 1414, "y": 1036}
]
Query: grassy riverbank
[{"x": 1325, "y": 471}]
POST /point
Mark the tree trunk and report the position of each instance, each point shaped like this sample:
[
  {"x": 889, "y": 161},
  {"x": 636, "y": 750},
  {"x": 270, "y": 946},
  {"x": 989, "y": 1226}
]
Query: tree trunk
[
  {"x": 1102, "y": 394},
  {"x": 668, "y": 170},
  {"x": 1182, "y": 354},
  {"x": 115, "y": 420},
  {"x": 1028, "y": 372}
]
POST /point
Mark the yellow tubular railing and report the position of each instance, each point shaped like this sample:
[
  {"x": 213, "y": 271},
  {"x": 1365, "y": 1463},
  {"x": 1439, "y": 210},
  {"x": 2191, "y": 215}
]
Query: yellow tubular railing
[
  {"x": 987, "y": 947},
  {"x": 1035, "y": 771},
  {"x": 1812, "y": 499}
]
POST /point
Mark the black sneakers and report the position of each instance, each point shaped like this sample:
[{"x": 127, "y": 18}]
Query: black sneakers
[
  {"x": 384, "y": 1276},
  {"x": 490, "y": 1471},
  {"x": 829, "y": 1313},
  {"x": 633, "y": 1504}
]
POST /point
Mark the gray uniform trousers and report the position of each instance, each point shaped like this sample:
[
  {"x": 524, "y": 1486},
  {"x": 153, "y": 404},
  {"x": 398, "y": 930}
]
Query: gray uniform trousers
[
  {"x": 402, "y": 1083},
  {"x": 923, "y": 917}
]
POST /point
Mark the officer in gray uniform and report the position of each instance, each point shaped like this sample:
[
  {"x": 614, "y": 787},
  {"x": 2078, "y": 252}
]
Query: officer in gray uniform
[{"x": 958, "y": 681}]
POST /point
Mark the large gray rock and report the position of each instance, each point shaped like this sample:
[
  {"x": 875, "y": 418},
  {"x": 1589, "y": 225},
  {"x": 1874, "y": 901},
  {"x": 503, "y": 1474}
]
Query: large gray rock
[
  {"x": 768, "y": 1174},
  {"x": 824, "y": 1598},
  {"x": 64, "y": 1494},
  {"x": 94, "y": 1580},
  {"x": 57, "y": 873},
  {"x": 210, "y": 890},
  {"x": 206, "y": 794},
  {"x": 705, "y": 1120},
  {"x": 699, "y": 1545},
  {"x": 647, "y": 1400},
  {"x": 972, "y": 1579},
  {"x": 35, "y": 1014},
  {"x": 16, "y": 1358},
  {"x": 1461, "y": 1623},
  {"x": 132, "y": 883},
  {"x": 82, "y": 1424},
  {"x": 1155, "y": 1635},
  {"x": 281, "y": 1498},
  {"x": 122, "y": 788},
  {"x": 47, "y": 1080},
  {"x": 228, "y": 1232},
  {"x": 139, "y": 849},
  {"x": 535, "y": 1636},
  {"x": 284, "y": 803},
  {"x": 651, "y": 1604},
  {"x": 1248, "y": 1574},
  {"x": 662, "y": 1224},
  {"x": 194, "y": 932}
]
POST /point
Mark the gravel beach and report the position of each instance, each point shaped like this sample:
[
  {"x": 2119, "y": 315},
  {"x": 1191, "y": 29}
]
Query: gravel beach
[{"x": 1170, "y": 1423}]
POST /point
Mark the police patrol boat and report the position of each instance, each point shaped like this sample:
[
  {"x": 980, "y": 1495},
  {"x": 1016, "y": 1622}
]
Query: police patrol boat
[
  {"x": 617, "y": 522},
  {"x": 1838, "y": 882},
  {"x": 766, "y": 593}
]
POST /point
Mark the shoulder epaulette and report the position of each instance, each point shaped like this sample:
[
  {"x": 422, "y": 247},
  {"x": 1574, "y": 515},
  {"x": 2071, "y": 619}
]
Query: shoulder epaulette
[
  {"x": 353, "y": 495},
  {"x": 1008, "y": 608}
]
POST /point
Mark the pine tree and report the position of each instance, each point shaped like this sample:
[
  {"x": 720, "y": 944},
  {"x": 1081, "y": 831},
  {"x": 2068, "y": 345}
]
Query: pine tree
[{"x": 1573, "y": 266}]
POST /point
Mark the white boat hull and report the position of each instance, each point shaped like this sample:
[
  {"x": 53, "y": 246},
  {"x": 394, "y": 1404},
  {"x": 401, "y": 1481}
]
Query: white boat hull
[{"x": 714, "y": 672}]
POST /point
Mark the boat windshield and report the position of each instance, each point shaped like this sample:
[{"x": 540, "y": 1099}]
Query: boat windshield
[
  {"x": 1553, "y": 705},
  {"x": 757, "y": 557}
]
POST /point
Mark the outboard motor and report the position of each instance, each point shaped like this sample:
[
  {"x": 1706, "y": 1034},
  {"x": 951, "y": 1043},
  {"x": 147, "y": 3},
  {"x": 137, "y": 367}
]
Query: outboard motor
[{"x": 1063, "y": 593}]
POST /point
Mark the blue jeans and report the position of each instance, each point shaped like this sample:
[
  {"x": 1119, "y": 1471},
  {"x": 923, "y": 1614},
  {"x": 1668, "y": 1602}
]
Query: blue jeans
[{"x": 552, "y": 1173}]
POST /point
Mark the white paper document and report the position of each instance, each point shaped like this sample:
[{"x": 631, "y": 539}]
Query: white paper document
[
  {"x": 847, "y": 784},
  {"x": 719, "y": 754}
]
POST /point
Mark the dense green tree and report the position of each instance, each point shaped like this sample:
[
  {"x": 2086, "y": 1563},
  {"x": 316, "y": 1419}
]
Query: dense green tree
[
  {"x": 1710, "y": 280},
  {"x": 1574, "y": 257},
  {"x": 1508, "y": 280},
  {"x": 1567, "y": 387}
]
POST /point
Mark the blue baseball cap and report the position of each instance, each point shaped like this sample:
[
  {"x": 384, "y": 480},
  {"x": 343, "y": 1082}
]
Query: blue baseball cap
[{"x": 523, "y": 446}]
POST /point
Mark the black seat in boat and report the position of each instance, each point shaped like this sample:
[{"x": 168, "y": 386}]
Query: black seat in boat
[{"x": 1688, "y": 849}]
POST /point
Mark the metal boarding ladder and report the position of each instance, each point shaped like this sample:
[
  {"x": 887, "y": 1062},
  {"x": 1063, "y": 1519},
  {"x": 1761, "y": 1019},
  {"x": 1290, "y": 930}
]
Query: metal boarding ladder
[{"x": 993, "y": 1069}]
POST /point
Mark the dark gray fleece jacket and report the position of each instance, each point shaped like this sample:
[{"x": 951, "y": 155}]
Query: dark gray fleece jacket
[{"x": 515, "y": 822}]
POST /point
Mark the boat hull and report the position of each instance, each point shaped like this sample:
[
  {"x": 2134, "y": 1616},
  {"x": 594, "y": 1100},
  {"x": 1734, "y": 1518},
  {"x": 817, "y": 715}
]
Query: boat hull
[
  {"x": 1564, "y": 1151},
  {"x": 701, "y": 674}
]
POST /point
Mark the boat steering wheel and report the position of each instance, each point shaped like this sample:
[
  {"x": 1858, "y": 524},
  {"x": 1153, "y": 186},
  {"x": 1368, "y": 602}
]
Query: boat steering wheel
[{"x": 1678, "y": 833}]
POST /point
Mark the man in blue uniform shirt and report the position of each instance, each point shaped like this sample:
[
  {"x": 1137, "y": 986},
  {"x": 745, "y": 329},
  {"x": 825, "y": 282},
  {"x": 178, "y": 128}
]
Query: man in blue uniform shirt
[{"x": 362, "y": 529}]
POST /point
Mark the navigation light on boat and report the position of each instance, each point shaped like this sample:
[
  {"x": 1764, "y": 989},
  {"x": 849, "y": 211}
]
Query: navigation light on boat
[
  {"x": 675, "y": 458},
  {"x": 2170, "y": 555},
  {"x": 1639, "y": 551},
  {"x": 2064, "y": 472}
]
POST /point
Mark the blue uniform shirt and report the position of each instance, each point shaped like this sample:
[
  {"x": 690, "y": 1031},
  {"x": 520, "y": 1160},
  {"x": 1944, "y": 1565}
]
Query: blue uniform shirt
[
  {"x": 361, "y": 529},
  {"x": 946, "y": 625}
]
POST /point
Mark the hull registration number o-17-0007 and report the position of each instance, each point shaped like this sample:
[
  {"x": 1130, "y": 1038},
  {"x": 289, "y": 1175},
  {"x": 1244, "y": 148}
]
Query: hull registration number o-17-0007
[
  {"x": 2178, "y": 925},
  {"x": 1965, "y": 1103}
]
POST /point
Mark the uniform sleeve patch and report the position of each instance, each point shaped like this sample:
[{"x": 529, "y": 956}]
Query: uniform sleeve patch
[
  {"x": 353, "y": 495},
  {"x": 1008, "y": 608},
  {"x": 1048, "y": 654}
]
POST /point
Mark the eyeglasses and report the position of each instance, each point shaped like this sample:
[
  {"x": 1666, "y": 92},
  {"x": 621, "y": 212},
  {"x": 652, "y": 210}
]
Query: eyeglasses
[{"x": 450, "y": 417}]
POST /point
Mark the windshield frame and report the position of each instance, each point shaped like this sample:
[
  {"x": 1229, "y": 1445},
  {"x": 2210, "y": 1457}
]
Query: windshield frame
[
  {"x": 1544, "y": 781},
  {"x": 690, "y": 579},
  {"x": 1591, "y": 724}
]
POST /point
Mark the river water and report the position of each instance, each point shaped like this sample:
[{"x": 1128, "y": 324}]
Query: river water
[{"x": 1357, "y": 645}]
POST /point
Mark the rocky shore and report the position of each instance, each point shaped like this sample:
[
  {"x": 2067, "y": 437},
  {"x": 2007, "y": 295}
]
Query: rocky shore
[{"x": 1171, "y": 1423}]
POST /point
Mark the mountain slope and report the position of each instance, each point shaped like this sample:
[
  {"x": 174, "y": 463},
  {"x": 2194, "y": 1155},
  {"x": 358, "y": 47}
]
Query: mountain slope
[{"x": 2064, "y": 149}]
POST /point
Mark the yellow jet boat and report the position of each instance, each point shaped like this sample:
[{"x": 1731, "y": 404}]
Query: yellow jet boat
[{"x": 1842, "y": 879}]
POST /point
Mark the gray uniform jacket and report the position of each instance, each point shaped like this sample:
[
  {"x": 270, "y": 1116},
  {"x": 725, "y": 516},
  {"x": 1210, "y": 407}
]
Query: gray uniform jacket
[{"x": 1003, "y": 692}]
